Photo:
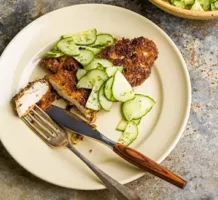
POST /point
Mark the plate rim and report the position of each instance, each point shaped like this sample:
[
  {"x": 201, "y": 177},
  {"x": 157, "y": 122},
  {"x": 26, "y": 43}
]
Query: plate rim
[{"x": 187, "y": 80}]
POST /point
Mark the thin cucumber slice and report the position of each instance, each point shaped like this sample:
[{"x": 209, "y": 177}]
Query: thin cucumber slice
[
  {"x": 122, "y": 125},
  {"x": 214, "y": 6},
  {"x": 179, "y": 4},
  {"x": 101, "y": 67},
  {"x": 55, "y": 48},
  {"x": 99, "y": 63},
  {"x": 83, "y": 38},
  {"x": 129, "y": 135},
  {"x": 108, "y": 89},
  {"x": 137, "y": 121},
  {"x": 137, "y": 107},
  {"x": 189, "y": 2},
  {"x": 196, "y": 6},
  {"x": 111, "y": 71},
  {"x": 54, "y": 54},
  {"x": 96, "y": 51},
  {"x": 103, "y": 40},
  {"x": 121, "y": 89},
  {"x": 105, "y": 104},
  {"x": 89, "y": 80},
  {"x": 205, "y": 4},
  {"x": 93, "y": 102},
  {"x": 120, "y": 68},
  {"x": 80, "y": 73},
  {"x": 85, "y": 57},
  {"x": 68, "y": 47}
]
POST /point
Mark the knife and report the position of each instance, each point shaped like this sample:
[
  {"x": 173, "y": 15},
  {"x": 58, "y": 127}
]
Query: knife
[{"x": 67, "y": 120}]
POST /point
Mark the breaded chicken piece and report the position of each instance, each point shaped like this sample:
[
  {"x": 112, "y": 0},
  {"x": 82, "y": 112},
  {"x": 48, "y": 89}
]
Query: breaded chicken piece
[
  {"x": 35, "y": 92},
  {"x": 64, "y": 82},
  {"x": 61, "y": 63},
  {"x": 38, "y": 92},
  {"x": 137, "y": 56},
  {"x": 47, "y": 100},
  {"x": 65, "y": 68}
]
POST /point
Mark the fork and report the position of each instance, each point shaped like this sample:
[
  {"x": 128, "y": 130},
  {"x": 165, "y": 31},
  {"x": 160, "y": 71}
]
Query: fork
[{"x": 55, "y": 136}]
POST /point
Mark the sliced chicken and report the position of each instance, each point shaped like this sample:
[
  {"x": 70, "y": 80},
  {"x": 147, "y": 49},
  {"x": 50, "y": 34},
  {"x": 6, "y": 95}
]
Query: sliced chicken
[{"x": 34, "y": 93}]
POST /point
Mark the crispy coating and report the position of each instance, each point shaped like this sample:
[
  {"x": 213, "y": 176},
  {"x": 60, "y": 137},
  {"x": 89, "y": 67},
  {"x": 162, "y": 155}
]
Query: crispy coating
[
  {"x": 47, "y": 100},
  {"x": 75, "y": 138},
  {"x": 61, "y": 63},
  {"x": 137, "y": 56},
  {"x": 66, "y": 82}
]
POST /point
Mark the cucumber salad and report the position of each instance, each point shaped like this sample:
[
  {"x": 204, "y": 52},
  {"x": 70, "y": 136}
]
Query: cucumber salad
[
  {"x": 106, "y": 81},
  {"x": 196, "y": 5}
]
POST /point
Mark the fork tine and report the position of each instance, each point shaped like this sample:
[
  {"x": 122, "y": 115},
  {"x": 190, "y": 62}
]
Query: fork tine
[
  {"x": 41, "y": 125},
  {"x": 45, "y": 115},
  {"x": 46, "y": 122},
  {"x": 42, "y": 112},
  {"x": 37, "y": 130}
]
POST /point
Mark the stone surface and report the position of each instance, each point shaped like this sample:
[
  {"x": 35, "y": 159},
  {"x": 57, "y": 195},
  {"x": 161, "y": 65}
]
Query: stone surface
[{"x": 195, "y": 155}]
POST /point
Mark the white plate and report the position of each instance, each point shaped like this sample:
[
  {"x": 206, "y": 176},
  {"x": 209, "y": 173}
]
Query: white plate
[{"x": 160, "y": 130}]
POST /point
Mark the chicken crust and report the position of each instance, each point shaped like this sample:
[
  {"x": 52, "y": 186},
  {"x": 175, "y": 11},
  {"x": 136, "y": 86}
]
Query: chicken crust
[
  {"x": 137, "y": 56},
  {"x": 61, "y": 63},
  {"x": 64, "y": 82},
  {"x": 45, "y": 102}
]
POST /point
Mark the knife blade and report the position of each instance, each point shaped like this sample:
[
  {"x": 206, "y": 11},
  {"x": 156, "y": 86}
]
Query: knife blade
[{"x": 63, "y": 118}]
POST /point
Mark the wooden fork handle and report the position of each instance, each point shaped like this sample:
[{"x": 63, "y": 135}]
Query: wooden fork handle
[{"x": 145, "y": 163}]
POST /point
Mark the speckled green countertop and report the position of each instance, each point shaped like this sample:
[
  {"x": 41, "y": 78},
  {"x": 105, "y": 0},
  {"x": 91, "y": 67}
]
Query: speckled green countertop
[{"x": 195, "y": 157}]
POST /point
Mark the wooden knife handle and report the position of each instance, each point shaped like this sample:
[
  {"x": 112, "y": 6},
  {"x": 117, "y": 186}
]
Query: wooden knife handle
[{"x": 145, "y": 163}]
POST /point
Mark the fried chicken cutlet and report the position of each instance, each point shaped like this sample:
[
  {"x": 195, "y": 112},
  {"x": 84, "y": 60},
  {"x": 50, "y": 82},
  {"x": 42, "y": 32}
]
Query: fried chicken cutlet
[
  {"x": 64, "y": 82},
  {"x": 137, "y": 56},
  {"x": 36, "y": 92},
  {"x": 61, "y": 63},
  {"x": 46, "y": 101}
]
